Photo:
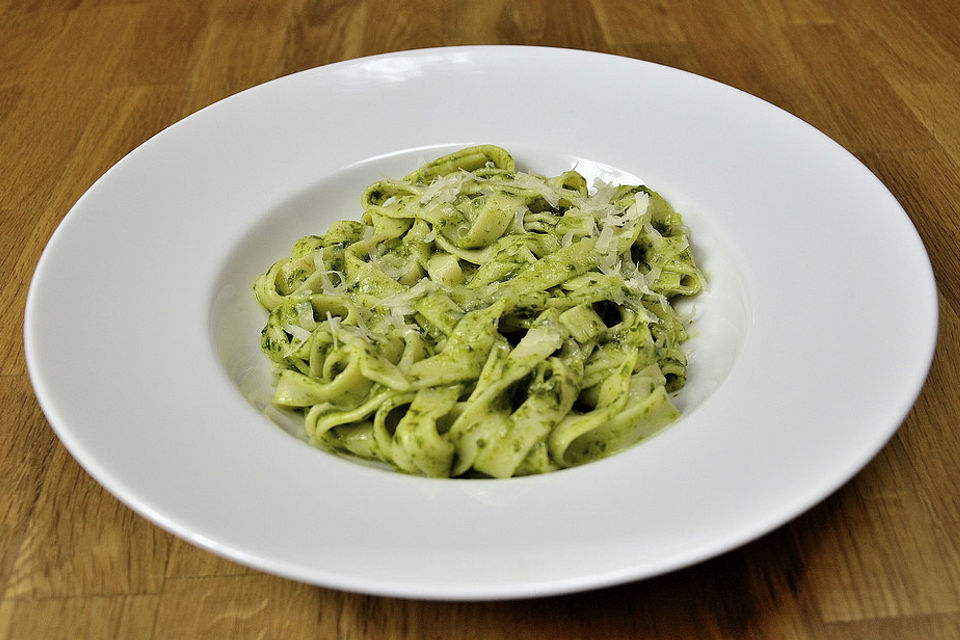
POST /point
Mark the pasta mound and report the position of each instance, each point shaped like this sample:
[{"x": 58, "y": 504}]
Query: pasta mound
[{"x": 482, "y": 321}]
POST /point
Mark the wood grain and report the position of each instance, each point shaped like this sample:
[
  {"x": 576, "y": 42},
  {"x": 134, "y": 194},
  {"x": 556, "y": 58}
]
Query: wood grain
[{"x": 83, "y": 82}]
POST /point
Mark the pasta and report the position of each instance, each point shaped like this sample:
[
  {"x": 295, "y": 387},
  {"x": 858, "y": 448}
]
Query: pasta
[{"x": 483, "y": 321}]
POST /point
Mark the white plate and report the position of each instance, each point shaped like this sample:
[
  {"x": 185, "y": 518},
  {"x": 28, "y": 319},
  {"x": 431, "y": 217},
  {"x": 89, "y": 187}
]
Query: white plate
[{"x": 812, "y": 343}]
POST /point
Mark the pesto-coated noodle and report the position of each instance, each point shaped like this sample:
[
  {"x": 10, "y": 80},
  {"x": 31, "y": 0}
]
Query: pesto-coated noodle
[{"x": 478, "y": 320}]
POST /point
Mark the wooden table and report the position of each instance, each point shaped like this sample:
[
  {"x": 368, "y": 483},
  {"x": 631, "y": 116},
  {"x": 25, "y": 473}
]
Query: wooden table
[{"x": 83, "y": 82}]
